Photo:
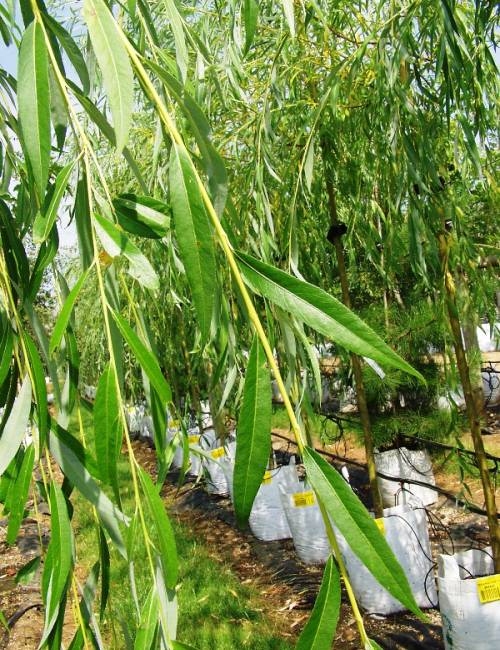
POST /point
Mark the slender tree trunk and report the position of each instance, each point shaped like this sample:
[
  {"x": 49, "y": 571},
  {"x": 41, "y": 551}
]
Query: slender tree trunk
[
  {"x": 473, "y": 413},
  {"x": 336, "y": 240}
]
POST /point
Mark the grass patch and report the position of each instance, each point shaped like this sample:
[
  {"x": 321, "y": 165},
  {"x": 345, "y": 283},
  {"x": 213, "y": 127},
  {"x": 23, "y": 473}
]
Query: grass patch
[{"x": 215, "y": 611}]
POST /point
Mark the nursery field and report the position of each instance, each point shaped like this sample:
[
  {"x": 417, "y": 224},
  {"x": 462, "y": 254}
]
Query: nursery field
[{"x": 249, "y": 324}]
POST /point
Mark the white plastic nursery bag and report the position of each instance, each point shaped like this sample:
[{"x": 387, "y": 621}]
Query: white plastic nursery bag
[
  {"x": 403, "y": 464},
  {"x": 406, "y": 533},
  {"x": 268, "y": 521},
  {"x": 306, "y": 524},
  {"x": 216, "y": 482},
  {"x": 470, "y": 605}
]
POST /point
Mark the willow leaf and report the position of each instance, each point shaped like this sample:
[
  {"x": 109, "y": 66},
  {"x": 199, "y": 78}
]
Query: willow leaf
[
  {"x": 116, "y": 243},
  {"x": 39, "y": 388},
  {"x": 65, "y": 313},
  {"x": 177, "y": 27},
  {"x": 74, "y": 463},
  {"x": 320, "y": 311},
  {"x": 164, "y": 531},
  {"x": 250, "y": 15},
  {"x": 359, "y": 529},
  {"x": 108, "y": 428},
  {"x": 58, "y": 561},
  {"x": 71, "y": 49},
  {"x": 15, "y": 428},
  {"x": 194, "y": 236},
  {"x": 33, "y": 97},
  {"x": 289, "y": 15},
  {"x": 142, "y": 215},
  {"x": 254, "y": 433},
  {"x": 146, "y": 359},
  {"x": 320, "y": 629},
  {"x": 114, "y": 64},
  {"x": 20, "y": 494},
  {"x": 44, "y": 222}
]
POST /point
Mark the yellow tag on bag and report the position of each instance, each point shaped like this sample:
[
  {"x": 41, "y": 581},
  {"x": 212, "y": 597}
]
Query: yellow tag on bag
[
  {"x": 379, "y": 523},
  {"x": 218, "y": 452},
  {"x": 303, "y": 499},
  {"x": 193, "y": 440},
  {"x": 267, "y": 478},
  {"x": 488, "y": 588}
]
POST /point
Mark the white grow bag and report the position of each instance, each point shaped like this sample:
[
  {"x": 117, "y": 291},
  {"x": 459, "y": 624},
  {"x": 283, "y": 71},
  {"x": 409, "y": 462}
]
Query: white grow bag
[
  {"x": 404, "y": 464},
  {"x": 406, "y": 533},
  {"x": 306, "y": 524},
  {"x": 196, "y": 443},
  {"x": 468, "y": 623},
  {"x": 268, "y": 521},
  {"x": 216, "y": 481}
]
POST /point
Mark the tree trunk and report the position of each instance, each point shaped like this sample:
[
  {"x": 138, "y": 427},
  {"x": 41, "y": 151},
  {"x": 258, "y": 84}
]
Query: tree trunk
[
  {"x": 473, "y": 414},
  {"x": 336, "y": 240}
]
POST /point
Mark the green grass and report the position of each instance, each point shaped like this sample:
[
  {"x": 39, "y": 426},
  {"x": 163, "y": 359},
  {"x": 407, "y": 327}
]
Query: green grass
[{"x": 216, "y": 611}]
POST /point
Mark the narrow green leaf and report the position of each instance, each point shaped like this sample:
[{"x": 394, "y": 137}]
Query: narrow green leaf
[
  {"x": 148, "y": 625},
  {"x": 58, "y": 110},
  {"x": 320, "y": 311},
  {"x": 319, "y": 630},
  {"x": 105, "y": 562},
  {"x": 20, "y": 494},
  {"x": 373, "y": 645},
  {"x": 6, "y": 346},
  {"x": 27, "y": 572},
  {"x": 65, "y": 313},
  {"x": 71, "y": 49},
  {"x": 58, "y": 561},
  {"x": 115, "y": 66},
  {"x": 142, "y": 215},
  {"x": 107, "y": 130},
  {"x": 39, "y": 388},
  {"x": 34, "y": 103},
  {"x": 146, "y": 359},
  {"x": 178, "y": 645},
  {"x": 289, "y": 15},
  {"x": 166, "y": 538},
  {"x": 194, "y": 236},
  {"x": 358, "y": 528},
  {"x": 250, "y": 15},
  {"x": 177, "y": 27},
  {"x": 211, "y": 160},
  {"x": 254, "y": 433},
  {"x": 82, "y": 219},
  {"x": 15, "y": 428},
  {"x": 74, "y": 464},
  {"x": 44, "y": 222},
  {"x": 108, "y": 429},
  {"x": 116, "y": 243}
]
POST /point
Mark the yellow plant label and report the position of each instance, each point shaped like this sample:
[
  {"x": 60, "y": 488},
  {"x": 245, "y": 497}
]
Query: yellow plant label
[
  {"x": 488, "y": 588},
  {"x": 193, "y": 440},
  {"x": 379, "y": 523},
  {"x": 267, "y": 478},
  {"x": 303, "y": 499},
  {"x": 218, "y": 452}
]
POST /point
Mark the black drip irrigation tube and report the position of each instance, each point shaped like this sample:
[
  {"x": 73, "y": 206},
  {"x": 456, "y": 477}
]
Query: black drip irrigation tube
[{"x": 449, "y": 495}]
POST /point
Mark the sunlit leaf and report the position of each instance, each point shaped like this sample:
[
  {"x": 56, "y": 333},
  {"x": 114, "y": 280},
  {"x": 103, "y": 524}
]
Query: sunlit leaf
[
  {"x": 114, "y": 64},
  {"x": 145, "y": 358},
  {"x": 15, "y": 428},
  {"x": 194, "y": 236},
  {"x": 116, "y": 243},
  {"x": 163, "y": 527},
  {"x": 20, "y": 494},
  {"x": 34, "y": 103},
  {"x": 254, "y": 433},
  {"x": 108, "y": 428},
  {"x": 44, "y": 222},
  {"x": 65, "y": 313},
  {"x": 320, "y": 311}
]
